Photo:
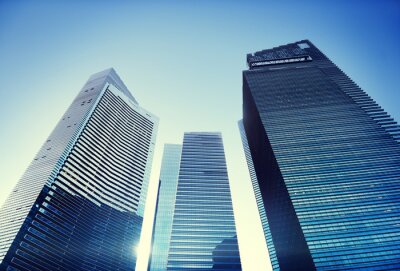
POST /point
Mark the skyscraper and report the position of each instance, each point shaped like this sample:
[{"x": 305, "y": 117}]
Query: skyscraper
[
  {"x": 198, "y": 206},
  {"x": 80, "y": 203},
  {"x": 326, "y": 161},
  {"x": 165, "y": 206}
]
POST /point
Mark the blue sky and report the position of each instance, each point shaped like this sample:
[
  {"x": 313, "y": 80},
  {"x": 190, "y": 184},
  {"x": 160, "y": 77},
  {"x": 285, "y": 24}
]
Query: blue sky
[{"x": 182, "y": 60}]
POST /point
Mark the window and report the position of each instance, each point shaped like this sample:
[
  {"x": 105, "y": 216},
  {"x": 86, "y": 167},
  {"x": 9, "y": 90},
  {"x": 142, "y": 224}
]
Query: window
[{"x": 303, "y": 45}]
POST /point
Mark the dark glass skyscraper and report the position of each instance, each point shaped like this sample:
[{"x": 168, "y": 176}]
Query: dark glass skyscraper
[
  {"x": 80, "y": 203},
  {"x": 199, "y": 206},
  {"x": 326, "y": 162}
]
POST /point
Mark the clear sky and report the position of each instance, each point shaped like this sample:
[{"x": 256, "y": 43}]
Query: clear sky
[{"x": 182, "y": 60}]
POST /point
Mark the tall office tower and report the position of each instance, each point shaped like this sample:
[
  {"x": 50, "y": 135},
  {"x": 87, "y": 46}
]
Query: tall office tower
[
  {"x": 80, "y": 203},
  {"x": 165, "y": 206},
  {"x": 326, "y": 161},
  {"x": 198, "y": 205}
]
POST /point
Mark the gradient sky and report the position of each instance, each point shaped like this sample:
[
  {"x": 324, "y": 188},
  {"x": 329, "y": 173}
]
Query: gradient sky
[{"x": 182, "y": 60}]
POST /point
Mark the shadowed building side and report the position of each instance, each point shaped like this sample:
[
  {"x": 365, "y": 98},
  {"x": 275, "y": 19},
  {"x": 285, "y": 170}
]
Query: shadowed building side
[{"x": 327, "y": 162}]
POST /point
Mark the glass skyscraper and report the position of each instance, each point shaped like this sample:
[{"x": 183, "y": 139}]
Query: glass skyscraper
[
  {"x": 165, "y": 206},
  {"x": 80, "y": 203},
  {"x": 196, "y": 211},
  {"x": 326, "y": 161}
]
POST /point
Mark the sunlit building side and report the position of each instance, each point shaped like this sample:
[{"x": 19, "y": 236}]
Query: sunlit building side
[{"x": 80, "y": 203}]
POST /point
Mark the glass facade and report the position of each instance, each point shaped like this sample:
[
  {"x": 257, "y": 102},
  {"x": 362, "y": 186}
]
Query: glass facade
[
  {"x": 203, "y": 231},
  {"x": 165, "y": 206},
  {"x": 80, "y": 204},
  {"x": 327, "y": 163},
  {"x": 260, "y": 204}
]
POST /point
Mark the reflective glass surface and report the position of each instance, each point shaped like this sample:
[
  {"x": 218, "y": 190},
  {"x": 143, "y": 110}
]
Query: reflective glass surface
[
  {"x": 165, "y": 206},
  {"x": 203, "y": 231},
  {"x": 260, "y": 204},
  {"x": 327, "y": 157},
  {"x": 88, "y": 213}
]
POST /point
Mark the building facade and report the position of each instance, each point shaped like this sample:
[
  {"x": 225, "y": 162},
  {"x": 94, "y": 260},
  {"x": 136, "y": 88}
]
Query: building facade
[
  {"x": 80, "y": 203},
  {"x": 165, "y": 206},
  {"x": 325, "y": 163},
  {"x": 203, "y": 233},
  {"x": 271, "y": 257}
]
